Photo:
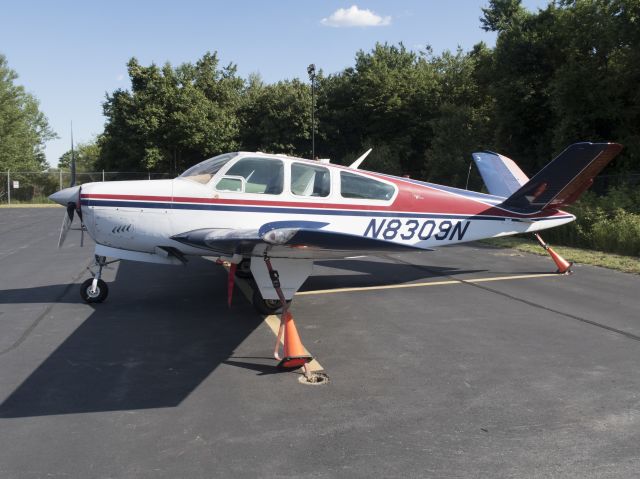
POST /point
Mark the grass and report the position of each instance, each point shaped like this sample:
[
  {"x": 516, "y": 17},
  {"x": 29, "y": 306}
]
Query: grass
[
  {"x": 627, "y": 264},
  {"x": 29, "y": 205}
]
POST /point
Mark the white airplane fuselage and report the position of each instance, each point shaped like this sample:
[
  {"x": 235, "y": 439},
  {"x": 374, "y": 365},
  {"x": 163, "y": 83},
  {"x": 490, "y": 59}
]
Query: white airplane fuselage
[{"x": 143, "y": 215}]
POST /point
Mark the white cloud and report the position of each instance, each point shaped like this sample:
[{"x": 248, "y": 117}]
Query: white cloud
[
  {"x": 120, "y": 77},
  {"x": 354, "y": 17}
]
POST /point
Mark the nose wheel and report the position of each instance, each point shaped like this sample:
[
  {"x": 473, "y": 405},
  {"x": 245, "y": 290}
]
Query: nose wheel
[
  {"x": 95, "y": 290},
  {"x": 92, "y": 294}
]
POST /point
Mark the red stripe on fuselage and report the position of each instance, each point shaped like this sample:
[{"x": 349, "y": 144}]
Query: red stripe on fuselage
[{"x": 411, "y": 198}]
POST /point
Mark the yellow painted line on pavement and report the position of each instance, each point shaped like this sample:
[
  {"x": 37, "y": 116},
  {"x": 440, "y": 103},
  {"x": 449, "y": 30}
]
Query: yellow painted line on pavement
[
  {"x": 273, "y": 321},
  {"x": 422, "y": 285}
]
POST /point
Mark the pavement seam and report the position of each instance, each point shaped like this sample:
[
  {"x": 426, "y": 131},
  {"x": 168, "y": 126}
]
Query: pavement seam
[
  {"x": 529, "y": 303},
  {"x": 23, "y": 337},
  {"x": 561, "y": 313}
]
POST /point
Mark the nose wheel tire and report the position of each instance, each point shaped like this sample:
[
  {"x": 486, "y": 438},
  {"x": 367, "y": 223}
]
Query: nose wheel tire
[{"x": 97, "y": 296}]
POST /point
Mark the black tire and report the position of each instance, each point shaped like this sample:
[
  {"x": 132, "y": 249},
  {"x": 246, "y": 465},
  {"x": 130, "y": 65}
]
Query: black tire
[
  {"x": 102, "y": 290},
  {"x": 243, "y": 270},
  {"x": 266, "y": 306}
]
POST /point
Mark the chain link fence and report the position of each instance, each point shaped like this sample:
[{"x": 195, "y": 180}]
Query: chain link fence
[{"x": 34, "y": 187}]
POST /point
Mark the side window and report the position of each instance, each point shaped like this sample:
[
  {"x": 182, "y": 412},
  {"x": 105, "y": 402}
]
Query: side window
[
  {"x": 228, "y": 183},
  {"x": 261, "y": 175},
  {"x": 309, "y": 180},
  {"x": 356, "y": 186}
]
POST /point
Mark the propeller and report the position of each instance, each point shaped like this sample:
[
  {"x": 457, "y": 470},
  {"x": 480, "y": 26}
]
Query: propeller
[{"x": 70, "y": 198}]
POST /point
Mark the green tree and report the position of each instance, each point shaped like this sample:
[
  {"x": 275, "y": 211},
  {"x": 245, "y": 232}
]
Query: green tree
[
  {"x": 462, "y": 124},
  {"x": 387, "y": 100},
  {"x": 595, "y": 87},
  {"x": 501, "y": 15},
  {"x": 525, "y": 59},
  {"x": 87, "y": 156},
  {"x": 172, "y": 117},
  {"x": 24, "y": 129},
  {"x": 276, "y": 118}
]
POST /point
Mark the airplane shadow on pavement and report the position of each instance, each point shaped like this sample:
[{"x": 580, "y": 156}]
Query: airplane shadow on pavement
[{"x": 162, "y": 331}]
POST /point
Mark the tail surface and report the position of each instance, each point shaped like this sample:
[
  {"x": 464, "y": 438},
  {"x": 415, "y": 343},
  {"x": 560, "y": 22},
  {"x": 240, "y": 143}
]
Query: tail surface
[
  {"x": 564, "y": 179},
  {"x": 500, "y": 174}
]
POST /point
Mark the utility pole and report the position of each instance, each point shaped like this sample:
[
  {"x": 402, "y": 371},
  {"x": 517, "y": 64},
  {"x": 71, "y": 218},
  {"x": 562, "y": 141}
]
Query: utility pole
[
  {"x": 73, "y": 160},
  {"x": 311, "y": 70},
  {"x": 9, "y": 186}
]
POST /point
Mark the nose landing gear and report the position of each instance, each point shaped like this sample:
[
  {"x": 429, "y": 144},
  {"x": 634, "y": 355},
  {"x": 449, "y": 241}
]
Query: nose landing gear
[{"x": 95, "y": 290}]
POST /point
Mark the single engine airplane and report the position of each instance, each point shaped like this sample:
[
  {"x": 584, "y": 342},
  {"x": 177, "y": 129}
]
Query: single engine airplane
[{"x": 270, "y": 216}]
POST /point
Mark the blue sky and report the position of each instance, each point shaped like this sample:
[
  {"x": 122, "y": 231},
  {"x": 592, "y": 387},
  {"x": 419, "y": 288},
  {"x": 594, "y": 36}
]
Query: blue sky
[{"x": 70, "y": 54}]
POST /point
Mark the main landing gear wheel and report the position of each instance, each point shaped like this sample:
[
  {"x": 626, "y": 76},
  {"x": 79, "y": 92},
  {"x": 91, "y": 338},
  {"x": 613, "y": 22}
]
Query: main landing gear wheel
[
  {"x": 97, "y": 296},
  {"x": 244, "y": 269},
  {"x": 266, "y": 306}
]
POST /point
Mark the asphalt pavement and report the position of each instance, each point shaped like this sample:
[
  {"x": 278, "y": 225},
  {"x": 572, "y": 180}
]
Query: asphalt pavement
[{"x": 486, "y": 368}]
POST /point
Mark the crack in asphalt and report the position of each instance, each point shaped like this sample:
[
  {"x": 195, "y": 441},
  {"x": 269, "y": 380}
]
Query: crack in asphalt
[
  {"x": 23, "y": 337},
  {"x": 590, "y": 322}
]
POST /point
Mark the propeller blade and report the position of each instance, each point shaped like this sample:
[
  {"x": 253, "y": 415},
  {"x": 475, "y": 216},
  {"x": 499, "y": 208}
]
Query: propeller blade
[{"x": 66, "y": 223}]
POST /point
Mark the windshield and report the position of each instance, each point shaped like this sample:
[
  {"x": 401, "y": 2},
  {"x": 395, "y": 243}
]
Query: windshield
[{"x": 204, "y": 171}]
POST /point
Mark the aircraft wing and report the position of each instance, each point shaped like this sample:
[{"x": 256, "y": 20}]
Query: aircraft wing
[{"x": 288, "y": 239}]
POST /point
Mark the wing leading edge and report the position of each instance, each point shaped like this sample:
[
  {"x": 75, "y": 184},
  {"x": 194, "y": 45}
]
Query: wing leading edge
[{"x": 287, "y": 240}]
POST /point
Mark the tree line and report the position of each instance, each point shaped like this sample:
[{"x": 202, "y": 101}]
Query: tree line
[
  {"x": 569, "y": 72},
  {"x": 24, "y": 129}
]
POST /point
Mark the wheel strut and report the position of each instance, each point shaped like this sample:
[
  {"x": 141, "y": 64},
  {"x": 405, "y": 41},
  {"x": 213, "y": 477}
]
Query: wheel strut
[
  {"x": 101, "y": 262},
  {"x": 294, "y": 353},
  {"x": 94, "y": 290}
]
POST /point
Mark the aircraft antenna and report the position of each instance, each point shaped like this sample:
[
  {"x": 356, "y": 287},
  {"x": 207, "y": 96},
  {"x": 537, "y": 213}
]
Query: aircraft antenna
[{"x": 468, "y": 175}]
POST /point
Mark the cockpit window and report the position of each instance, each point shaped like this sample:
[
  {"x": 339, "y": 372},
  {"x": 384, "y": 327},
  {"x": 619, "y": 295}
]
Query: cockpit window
[
  {"x": 262, "y": 175},
  {"x": 310, "y": 180},
  {"x": 357, "y": 186},
  {"x": 204, "y": 171}
]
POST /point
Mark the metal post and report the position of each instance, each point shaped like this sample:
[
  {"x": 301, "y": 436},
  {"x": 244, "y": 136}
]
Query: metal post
[
  {"x": 313, "y": 119},
  {"x": 9, "y": 186},
  {"x": 311, "y": 70},
  {"x": 60, "y": 171},
  {"x": 103, "y": 176}
]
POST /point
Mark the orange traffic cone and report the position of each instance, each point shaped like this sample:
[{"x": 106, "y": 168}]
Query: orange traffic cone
[
  {"x": 295, "y": 354},
  {"x": 564, "y": 266}
]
